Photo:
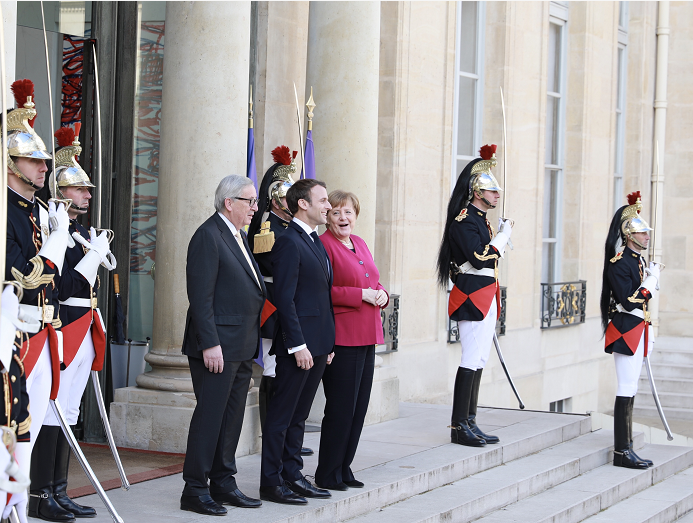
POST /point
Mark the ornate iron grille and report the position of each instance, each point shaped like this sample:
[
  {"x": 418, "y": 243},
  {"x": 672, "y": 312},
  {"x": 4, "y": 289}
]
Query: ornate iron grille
[
  {"x": 389, "y": 316},
  {"x": 563, "y": 304},
  {"x": 454, "y": 333}
]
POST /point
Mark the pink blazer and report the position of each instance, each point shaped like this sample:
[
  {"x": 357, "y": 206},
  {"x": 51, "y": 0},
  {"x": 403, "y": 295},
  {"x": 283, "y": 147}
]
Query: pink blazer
[{"x": 357, "y": 322}]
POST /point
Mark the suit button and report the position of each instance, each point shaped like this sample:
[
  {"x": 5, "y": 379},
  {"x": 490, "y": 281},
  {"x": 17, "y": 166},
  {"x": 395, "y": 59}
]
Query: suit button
[
  {"x": 15, "y": 401},
  {"x": 14, "y": 378},
  {"x": 366, "y": 275},
  {"x": 361, "y": 262}
]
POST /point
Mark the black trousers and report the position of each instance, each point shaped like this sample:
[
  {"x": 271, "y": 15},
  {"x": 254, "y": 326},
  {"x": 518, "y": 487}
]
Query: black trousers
[
  {"x": 282, "y": 436},
  {"x": 215, "y": 426},
  {"x": 347, "y": 382}
]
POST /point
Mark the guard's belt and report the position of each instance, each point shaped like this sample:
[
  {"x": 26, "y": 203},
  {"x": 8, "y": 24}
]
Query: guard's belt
[
  {"x": 77, "y": 302},
  {"x": 635, "y": 312},
  {"x": 468, "y": 268}
]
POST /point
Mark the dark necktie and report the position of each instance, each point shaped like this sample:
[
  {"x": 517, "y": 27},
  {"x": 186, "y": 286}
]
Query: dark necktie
[{"x": 321, "y": 248}]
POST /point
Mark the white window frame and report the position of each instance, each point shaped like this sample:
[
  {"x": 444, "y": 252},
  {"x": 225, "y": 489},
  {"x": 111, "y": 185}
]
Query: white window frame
[
  {"x": 479, "y": 92},
  {"x": 622, "y": 81},
  {"x": 558, "y": 15}
]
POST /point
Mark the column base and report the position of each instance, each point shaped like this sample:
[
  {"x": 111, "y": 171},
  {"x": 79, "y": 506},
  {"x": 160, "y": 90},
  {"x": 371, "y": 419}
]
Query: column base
[
  {"x": 159, "y": 420},
  {"x": 384, "y": 402}
]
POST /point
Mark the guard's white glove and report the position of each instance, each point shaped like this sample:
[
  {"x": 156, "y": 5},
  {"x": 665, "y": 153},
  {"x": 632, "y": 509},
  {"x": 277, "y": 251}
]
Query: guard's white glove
[
  {"x": 10, "y": 303},
  {"x": 22, "y": 455},
  {"x": 654, "y": 270},
  {"x": 4, "y": 476},
  {"x": 10, "y": 309},
  {"x": 54, "y": 247},
  {"x": 650, "y": 283},
  {"x": 99, "y": 252},
  {"x": 99, "y": 243},
  {"x": 505, "y": 226}
]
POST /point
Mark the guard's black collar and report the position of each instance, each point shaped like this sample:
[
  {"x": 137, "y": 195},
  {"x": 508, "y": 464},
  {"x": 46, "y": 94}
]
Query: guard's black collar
[{"x": 19, "y": 201}]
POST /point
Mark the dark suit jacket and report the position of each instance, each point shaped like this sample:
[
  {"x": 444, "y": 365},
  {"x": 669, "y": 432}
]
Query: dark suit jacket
[
  {"x": 225, "y": 299},
  {"x": 302, "y": 285}
]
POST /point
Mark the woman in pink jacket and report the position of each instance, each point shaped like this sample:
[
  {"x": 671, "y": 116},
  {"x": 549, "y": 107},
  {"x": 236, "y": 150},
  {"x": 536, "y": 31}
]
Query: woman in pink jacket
[{"x": 357, "y": 297}]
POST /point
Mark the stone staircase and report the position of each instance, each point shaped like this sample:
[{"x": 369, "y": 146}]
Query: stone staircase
[
  {"x": 548, "y": 467},
  {"x": 672, "y": 366}
]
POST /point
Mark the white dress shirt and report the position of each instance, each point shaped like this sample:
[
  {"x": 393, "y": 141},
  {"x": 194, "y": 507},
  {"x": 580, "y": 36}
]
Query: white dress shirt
[{"x": 237, "y": 236}]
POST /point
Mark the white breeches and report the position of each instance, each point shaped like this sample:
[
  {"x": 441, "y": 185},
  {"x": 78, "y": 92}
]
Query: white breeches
[
  {"x": 270, "y": 362},
  {"x": 73, "y": 381},
  {"x": 38, "y": 386},
  {"x": 628, "y": 368},
  {"x": 476, "y": 338}
]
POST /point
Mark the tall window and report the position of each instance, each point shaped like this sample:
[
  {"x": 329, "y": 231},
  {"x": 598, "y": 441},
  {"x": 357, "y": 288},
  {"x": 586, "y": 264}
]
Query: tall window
[
  {"x": 621, "y": 103},
  {"x": 555, "y": 139},
  {"x": 468, "y": 84}
]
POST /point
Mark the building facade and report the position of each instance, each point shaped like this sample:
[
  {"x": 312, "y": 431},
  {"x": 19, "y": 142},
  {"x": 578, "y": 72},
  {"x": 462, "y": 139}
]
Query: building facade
[{"x": 406, "y": 93}]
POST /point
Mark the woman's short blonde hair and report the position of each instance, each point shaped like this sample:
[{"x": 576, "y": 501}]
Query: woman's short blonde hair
[{"x": 338, "y": 198}]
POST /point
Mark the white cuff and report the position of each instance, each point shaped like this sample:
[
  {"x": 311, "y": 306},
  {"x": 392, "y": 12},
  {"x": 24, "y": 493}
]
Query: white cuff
[
  {"x": 7, "y": 334},
  {"x": 53, "y": 248},
  {"x": 89, "y": 265},
  {"x": 499, "y": 242},
  {"x": 22, "y": 454},
  {"x": 650, "y": 283},
  {"x": 296, "y": 349}
]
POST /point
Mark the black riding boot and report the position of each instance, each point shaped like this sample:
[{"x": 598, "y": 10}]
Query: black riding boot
[
  {"x": 62, "y": 465},
  {"x": 623, "y": 457},
  {"x": 264, "y": 395},
  {"x": 630, "y": 432},
  {"x": 460, "y": 432},
  {"x": 489, "y": 438},
  {"x": 42, "y": 505}
]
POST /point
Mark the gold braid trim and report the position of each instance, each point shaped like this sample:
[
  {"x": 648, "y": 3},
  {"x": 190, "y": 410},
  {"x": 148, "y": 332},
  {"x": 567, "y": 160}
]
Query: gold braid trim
[
  {"x": 633, "y": 298},
  {"x": 24, "y": 426},
  {"x": 617, "y": 257},
  {"x": 57, "y": 322},
  {"x": 462, "y": 215},
  {"x": 36, "y": 277},
  {"x": 484, "y": 257}
]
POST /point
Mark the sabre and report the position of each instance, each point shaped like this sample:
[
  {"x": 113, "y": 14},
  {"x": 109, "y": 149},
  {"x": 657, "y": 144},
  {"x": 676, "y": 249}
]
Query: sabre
[
  {"x": 650, "y": 377},
  {"x": 3, "y": 182},
  {"x": 300, "y": 130},
  {"x": 110, "y": 264},
  {"x": 505, "y": 369},
  {"x": 505, "y": 163},
  {"x": 52, "y": 220},
  {"x": 72, "y": 441}
]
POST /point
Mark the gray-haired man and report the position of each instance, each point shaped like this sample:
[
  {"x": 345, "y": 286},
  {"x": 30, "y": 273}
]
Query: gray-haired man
[{"x": 222, "y": 336}]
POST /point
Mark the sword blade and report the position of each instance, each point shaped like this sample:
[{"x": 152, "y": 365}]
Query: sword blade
[
  {"x": 125, "y": 484},
  {"x": 97, "y": 98},
  {"x": 505, "y": 369},
  {"x": 72, "y": 441},
  {"x": 653, "y": 387},
  {"x": 50, "y": 101},
  {"x": 3, "y": 179},
  {"x": 300, "y": 129},
  {"x": 505, "y": 155}
]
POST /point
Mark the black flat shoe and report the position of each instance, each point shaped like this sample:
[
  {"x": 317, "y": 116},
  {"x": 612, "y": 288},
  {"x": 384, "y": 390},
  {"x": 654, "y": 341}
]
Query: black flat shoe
[
  {"x": 340, "y": 486},
  {"x": 237, "y": 499},
  {"x": 281, "y": 494},
  {"x": 303, "y": 487},
  {"x": 202, "y": 505},
  {"x": 354, "y": 483},
  {"x": 305, "y": 451}
]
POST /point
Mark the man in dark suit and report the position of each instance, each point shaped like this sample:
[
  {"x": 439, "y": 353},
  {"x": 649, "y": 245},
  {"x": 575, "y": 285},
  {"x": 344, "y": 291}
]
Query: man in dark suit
[
  {"x": 303, "y": 343},
  {"x": 222, "y": 335}
]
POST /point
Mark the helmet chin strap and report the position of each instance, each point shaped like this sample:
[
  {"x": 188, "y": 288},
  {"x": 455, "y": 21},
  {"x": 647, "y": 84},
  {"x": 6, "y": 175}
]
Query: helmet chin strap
[
  {"x": 18, "y": 173},
  {"x": 636, "y": 242},
  {"x": 283, "y": 208},
  {"x": 483, "y": 199}
]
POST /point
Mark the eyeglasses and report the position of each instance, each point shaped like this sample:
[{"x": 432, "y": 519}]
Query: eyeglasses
[{"x": 251, "y": 201}]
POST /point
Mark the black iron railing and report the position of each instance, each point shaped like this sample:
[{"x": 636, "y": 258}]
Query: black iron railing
[
  {"x": 563, "y": 304},
  {"x": 389, "y": 316},
  {"x": 454, "y": 333}
]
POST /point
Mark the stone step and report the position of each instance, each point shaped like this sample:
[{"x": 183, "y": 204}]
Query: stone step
[
  {"x": 669, "y": 371},
  {"x": 675, "y": 400},
  {"x": 672, "y": 357},
  {"x": 665, "y": 384},
  {"x": 664, "y": 502},
  {"x": 688, "y": 518},
  {"x": 595, "y": 491},
  {"x": 482, "y": 493},
  {"x": 646, "y": 411}
]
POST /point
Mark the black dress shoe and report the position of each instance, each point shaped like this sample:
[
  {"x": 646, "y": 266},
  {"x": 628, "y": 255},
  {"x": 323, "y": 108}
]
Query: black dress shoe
[
  {"x": 305, "y": 451},
  {"x": 303, "y": 487},
  {"x": 80, "y": 511},
  {"x": 339, "y": 486},
  {"x": 202, "y": 505},
  {"x": 281, "y": 494},
  {"x": 237, "y": 499},
  {"x": 43, "y": 506},
  {"x": 354, "y": 483}
]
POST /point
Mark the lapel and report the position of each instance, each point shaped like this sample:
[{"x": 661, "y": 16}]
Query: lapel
[
  {"x": 322, "y": 257},
  {"x": 232, "y": 244}
]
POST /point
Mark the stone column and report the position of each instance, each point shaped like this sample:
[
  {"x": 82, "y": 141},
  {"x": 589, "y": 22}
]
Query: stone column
[
  {"x": 343, "y": 57},
  {"x": 203, "y": 138},
  {"x": 9, "y": 26}
]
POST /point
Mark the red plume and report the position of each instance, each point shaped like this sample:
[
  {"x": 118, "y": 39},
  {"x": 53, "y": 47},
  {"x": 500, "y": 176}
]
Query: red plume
[
  {"x": 487, "y": 151},
  {"x": 633, "y": 197},
  {"x": 65, "y": 136},
  {"x": 282, "y": 155},
  {"x": 294, "y": 154},
  {"x": 78, "y": 127},
  {"x": 22, "y": 89}
]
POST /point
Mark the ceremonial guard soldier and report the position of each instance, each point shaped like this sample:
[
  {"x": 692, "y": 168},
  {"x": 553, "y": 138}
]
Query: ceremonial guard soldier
[
  {"x": 84, "y": 339},
  {"x": 35, "y": 253},
  {"x": 628, "y": 284},
  {"x": 469, "y": 255},
  {"x": 270, "y": 222}
]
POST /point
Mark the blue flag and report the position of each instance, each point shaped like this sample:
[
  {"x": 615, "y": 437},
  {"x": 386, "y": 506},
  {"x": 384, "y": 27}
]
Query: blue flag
[
  {"x": 309, "y": 167},
  {"x": 251, "y": 171}
]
